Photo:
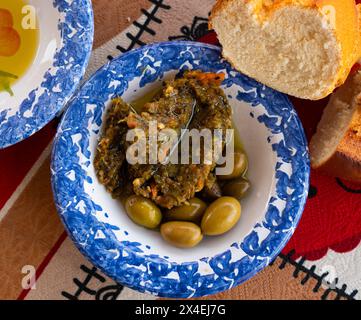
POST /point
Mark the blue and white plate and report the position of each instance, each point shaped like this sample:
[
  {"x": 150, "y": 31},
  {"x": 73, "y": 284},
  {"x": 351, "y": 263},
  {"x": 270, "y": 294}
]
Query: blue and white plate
[
  {"x": 65, "y": 41},
  {"x": 138, "y": 258}
]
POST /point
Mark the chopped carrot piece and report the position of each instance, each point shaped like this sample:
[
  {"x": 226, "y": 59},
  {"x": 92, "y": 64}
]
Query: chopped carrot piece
[
  {"x": 132, "y": 121},
  {"x": 200, "y": 184},
  {"x": 9, "y": 41},
  {"x": 6, "y": 19},
  {"x": 154, "y": 190},
  {"x": 207, "y": 78}
]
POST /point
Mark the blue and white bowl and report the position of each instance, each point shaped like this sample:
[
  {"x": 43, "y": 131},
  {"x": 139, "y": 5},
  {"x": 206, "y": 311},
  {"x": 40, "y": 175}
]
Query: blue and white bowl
[
  {"x": 66, "y": 31},
  {"x": 138, "y": 258}
]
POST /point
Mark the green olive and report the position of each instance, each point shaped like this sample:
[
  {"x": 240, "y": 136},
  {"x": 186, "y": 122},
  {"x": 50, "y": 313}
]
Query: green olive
[
  {"x": 240, "y": 167},
  {"x": 181, "y": 234},
  {"x": 221, "y": 216},
  {"x": 236, "y": 188},
  {"x": 193, "y": 211},
  {"x": 143, "y": 211}
]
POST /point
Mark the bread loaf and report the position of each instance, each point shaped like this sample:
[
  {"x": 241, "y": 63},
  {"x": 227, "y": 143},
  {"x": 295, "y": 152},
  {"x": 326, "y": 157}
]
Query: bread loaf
[{"x": 305, "y": 48}]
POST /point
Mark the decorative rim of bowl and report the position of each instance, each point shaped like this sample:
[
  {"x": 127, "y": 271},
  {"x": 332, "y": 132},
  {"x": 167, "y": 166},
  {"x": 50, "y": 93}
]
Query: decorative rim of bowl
[
  {"x": 125, "y": 261},
  {"x": 45, "y": 102}
]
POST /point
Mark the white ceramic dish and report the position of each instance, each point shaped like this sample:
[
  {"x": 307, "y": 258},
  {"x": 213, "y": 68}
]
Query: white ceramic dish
[{"x": 279, "y": 171}]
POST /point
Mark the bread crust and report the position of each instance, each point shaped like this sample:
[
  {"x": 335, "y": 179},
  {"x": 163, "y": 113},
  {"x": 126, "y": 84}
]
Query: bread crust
[
  {"x": 342, "y": 166},
  {"x": 218, "y": 6},
  {"x": 346, "y": 160}
]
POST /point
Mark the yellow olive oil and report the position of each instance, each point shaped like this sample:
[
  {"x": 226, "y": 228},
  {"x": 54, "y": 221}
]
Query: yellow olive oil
[
  {"x": 18, "y": 45},
  {"x": 139, "y": 103}
]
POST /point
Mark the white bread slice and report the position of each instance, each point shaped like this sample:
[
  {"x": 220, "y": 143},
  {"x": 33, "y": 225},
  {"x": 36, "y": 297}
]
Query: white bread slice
[
  {"x": 336, "y": 146},
  {"x": 304, "y": 48}
]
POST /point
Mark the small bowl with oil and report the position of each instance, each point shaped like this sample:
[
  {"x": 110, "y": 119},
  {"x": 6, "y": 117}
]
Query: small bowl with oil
[{"x": 44, "y": 50}]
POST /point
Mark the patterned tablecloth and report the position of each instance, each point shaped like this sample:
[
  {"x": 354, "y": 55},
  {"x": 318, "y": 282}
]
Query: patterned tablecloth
[{"x": 322, "y": 260}]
